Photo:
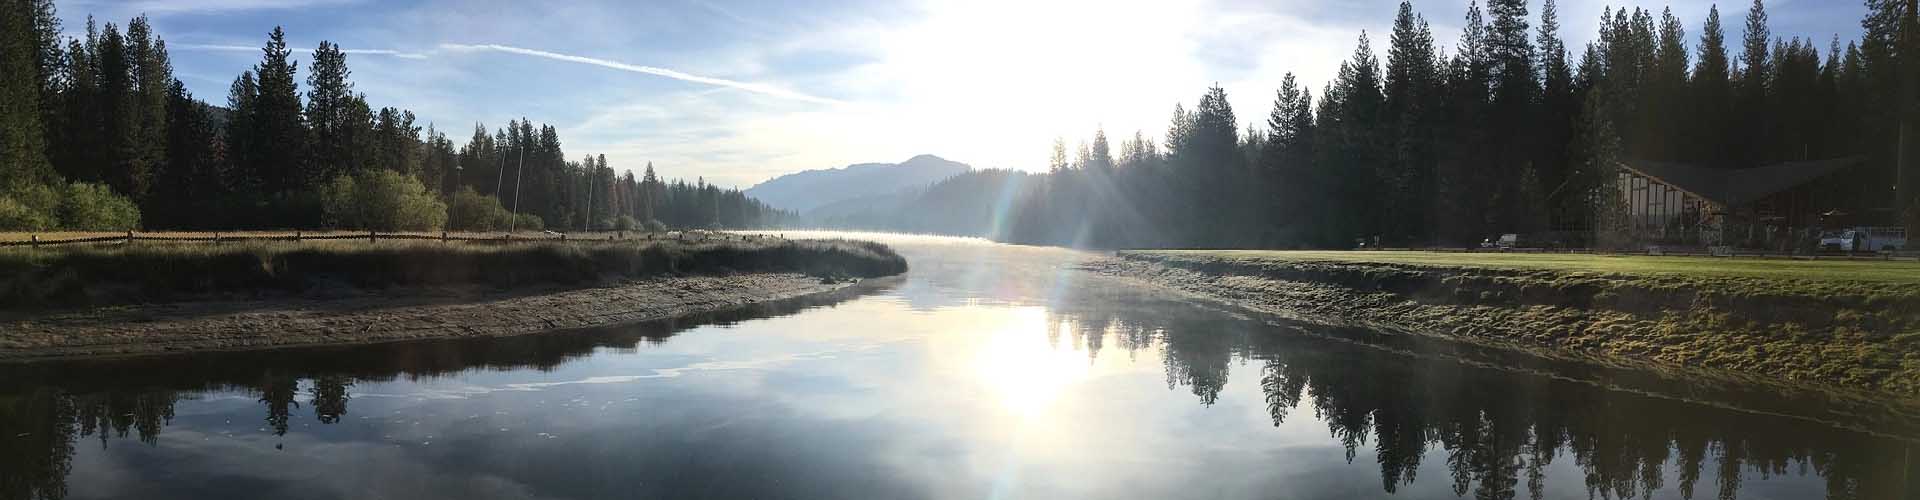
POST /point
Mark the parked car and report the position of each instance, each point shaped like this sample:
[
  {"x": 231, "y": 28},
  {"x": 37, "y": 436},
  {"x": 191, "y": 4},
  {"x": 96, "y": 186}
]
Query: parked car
[
  {"x": 1509, "y": 240},
  {"x": 1864, "y": 239}
]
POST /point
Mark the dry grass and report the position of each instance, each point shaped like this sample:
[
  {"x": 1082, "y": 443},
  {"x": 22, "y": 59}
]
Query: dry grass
[
  {"x": 81, "y": 275},
  {"x": 1847, "y": 323},
  {"x": 1902, "y": 272},
  {"x": 529, "y": 235}
]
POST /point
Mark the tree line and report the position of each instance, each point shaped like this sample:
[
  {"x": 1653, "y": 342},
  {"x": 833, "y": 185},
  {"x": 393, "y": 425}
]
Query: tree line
[
  {"x": 1511, "y": 131},
  {"x": 96, "y": 133}
]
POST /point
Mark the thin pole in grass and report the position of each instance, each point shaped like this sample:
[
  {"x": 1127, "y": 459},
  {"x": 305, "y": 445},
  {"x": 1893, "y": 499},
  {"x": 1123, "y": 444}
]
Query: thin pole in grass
[{"x": 512, "y": 223}]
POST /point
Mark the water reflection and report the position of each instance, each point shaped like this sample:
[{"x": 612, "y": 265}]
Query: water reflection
[
  {"x": 47, "y": 408},
  {"x": 1478, "y": 422},
  {"x": 1499, "y": 431}
]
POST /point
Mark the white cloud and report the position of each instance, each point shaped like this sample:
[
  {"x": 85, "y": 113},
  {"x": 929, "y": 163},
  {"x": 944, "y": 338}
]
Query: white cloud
[
  {"x": 245, "y": 48},
  {"x": 759, "y": 88},
  {"x": 208, "y": 6}
]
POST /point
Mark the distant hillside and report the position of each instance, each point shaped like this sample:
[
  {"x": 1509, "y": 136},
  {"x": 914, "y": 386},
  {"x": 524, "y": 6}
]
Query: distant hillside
[
  {"x": 978, "y": 203},
  {"x": 805, "y": 191}
]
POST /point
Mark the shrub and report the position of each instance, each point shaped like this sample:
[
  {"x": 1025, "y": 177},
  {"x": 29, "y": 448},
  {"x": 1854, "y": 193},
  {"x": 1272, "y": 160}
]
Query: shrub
[
  {"x": 381, "y": 200},
  {"x": 471, "y": 211},
  {"x": 654, "y": 226},
  {"x": 625, "y": 223},
  {"x": 78, "y": 206},
  {"x": 528, "y": 222},
  {"x": 95, "y": 207},
  {"x": 32, "y": 207}
]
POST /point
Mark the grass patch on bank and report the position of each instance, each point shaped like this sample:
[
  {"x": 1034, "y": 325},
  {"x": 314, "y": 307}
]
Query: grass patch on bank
[
  {"x": 1897, "y": 272},
  {"x": 1845, "y": 323},
  {"x": 79, "y": 275}
]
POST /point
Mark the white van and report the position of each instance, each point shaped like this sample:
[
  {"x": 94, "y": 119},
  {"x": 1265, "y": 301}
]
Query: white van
[{"x": 1864, "y": 239}]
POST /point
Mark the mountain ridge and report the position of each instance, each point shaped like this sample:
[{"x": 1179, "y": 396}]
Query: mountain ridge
[{"x": 807, "y": 190}]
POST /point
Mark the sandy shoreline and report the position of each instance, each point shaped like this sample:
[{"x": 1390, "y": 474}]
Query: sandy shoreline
[{"x": 382, "y": 317}]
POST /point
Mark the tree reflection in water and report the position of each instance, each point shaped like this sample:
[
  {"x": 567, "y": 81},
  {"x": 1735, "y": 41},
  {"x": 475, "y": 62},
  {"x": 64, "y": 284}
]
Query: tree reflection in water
[{"x": 1499, "y": 428}]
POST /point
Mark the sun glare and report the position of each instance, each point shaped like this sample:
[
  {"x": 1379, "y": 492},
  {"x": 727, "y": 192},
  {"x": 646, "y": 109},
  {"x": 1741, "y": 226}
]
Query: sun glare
[{"x": 1027, "y": 368}]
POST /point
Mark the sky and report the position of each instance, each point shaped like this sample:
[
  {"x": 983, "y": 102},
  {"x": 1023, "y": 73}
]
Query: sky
[{"x": 742, "y": 91}]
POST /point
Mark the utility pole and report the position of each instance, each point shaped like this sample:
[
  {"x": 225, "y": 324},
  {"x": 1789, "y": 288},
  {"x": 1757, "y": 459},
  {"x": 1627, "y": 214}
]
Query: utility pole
[
  {"x": 591, "y": 173},
  {"x": 500, "y": 173},
  {"x": 1908, "y": 81},
  {"x": 517, "y": 172},
  {"x": 457, "y": 169}
]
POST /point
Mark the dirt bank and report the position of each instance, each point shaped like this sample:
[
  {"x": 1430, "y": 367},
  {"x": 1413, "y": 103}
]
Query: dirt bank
[
  {"x": 1832, "y": 334},
  {"x": 381, "y": 317}
]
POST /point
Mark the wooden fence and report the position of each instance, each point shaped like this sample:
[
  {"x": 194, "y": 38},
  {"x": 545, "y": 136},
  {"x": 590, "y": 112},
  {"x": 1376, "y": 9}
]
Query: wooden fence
[{"x": 373, "y": 236}]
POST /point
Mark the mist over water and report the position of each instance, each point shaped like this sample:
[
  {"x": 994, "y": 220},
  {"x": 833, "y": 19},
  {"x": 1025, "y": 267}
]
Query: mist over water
[{"x": 989, "y": 371}]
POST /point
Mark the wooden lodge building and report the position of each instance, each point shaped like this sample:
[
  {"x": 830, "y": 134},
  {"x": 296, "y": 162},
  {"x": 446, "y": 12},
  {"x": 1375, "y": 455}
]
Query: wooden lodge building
[{"x": 1774, "y": 207}]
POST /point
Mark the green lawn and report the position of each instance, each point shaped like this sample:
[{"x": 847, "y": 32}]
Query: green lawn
[{"x": 1902, "y": 272}]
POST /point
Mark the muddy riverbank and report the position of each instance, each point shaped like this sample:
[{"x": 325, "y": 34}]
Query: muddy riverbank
[
  {"x": 384, "y": 317},
  {"x": 1854, "y": 337}
]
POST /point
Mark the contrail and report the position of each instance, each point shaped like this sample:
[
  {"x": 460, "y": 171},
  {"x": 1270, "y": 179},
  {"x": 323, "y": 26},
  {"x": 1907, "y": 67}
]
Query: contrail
[
  {"x": 244, "y": 48},
  {"x": 758, "y": 88}
]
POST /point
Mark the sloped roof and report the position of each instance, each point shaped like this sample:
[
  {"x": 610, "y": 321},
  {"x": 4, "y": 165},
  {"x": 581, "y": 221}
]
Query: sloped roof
[{"x": 1734, "y": 186}]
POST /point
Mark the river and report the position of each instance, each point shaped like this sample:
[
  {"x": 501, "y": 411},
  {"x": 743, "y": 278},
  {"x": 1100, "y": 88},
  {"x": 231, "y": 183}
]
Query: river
[{"x": 989, "y": 371}]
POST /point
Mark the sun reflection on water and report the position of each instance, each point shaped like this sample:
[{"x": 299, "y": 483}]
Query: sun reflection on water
[{"x": 1028, "y": 368}]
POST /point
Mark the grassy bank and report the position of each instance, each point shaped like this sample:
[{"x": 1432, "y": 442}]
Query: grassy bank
[
  {"x": 1851, "y": 324},
  {"x": 73, "y": 276}
]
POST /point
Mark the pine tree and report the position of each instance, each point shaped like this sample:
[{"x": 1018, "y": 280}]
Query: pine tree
[
  {"x": 396, "y": 141},
  {"x": 1560, "y": 107},
  {"x": 1179, "y": 130},
  {"x": 651, "y": 193},
  {"x": 1511, "y": 51},
  {"x": 152, "y": 72},
  {"x": 480, "y": 161},
  {"x": 1412, "y": 85},
  {"x": 241, "y": 134},
  {"x": 1666, "y": 88},
  {"x": 277, "y": 148},
  {"x": 1462, "y": 182},
  {"x": 1353, "y": 153},
  {"x": 1751, "y": 97},
  {"x": 1101, "y": 158},
  {"x": 329, "y": 112},
  {"x": 127, "y": 172},
  {"x": 1287, "y": 164},
  {"x": 23, "y": 138},
  {"x": 190, "y": 177},
  {"x": 1712, "y": 94}
]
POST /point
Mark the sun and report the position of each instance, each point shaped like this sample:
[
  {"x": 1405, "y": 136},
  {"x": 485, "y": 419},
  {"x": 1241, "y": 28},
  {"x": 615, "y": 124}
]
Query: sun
[{"x": 1025, "y": 369}]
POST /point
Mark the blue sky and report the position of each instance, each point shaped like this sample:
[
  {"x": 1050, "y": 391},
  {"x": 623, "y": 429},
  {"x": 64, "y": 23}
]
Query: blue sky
[{"x": 741, "y": 91}]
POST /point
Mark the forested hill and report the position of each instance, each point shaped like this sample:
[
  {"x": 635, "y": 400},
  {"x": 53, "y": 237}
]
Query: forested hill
[
  {"x": 97, "y": 134},
  {"x": 805, "y": 191}
]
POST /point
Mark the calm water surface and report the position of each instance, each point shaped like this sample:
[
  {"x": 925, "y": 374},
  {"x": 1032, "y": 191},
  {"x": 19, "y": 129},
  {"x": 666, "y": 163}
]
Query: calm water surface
[{"x": 988, "y": 372}]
